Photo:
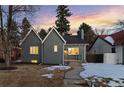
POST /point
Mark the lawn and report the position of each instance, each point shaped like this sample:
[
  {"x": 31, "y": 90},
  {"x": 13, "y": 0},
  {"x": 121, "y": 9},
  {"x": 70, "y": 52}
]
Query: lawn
[{"x": 29, "y": 75}]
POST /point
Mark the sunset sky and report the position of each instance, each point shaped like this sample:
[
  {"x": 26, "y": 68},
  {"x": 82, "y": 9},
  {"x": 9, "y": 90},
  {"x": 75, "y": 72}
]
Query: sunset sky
[{"x": 98, "y": 16}]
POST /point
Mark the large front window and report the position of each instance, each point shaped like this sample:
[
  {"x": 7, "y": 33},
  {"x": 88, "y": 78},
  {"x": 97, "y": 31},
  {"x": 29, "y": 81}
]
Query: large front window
[
  {"x": 34, "y": 50},
  {"x": 73, "y": 51}
]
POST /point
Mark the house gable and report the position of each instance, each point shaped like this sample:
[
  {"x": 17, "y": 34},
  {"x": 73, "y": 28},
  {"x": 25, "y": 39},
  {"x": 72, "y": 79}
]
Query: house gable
[
  {"x": 100, "y": 46},
  {"x": 27, "y": 46},
  {"x": 53, "y": 29},
  {"x": 96, "y": 40},
  {"x": 53, "y": 48},
  {"x": 32, "y": 30}
]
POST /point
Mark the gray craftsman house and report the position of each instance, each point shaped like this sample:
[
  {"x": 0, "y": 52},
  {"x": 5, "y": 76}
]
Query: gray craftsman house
[{"x": 53, "y": 49}]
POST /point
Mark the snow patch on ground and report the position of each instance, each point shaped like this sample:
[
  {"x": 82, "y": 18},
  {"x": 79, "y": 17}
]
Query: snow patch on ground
[
  {"x": 115, "y": 72},
  {"x": 48, "y": 75},
  {"x": 51, "y": 68},
  {"x": 113, "y": 84},
  {"x": 103, "y": 70}
]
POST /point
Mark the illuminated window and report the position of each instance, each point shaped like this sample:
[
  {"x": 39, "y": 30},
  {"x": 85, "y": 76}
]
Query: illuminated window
[
  {"x": 55, "y": 48},
  {"x": 65, "y": 52},
  {"x": 73, "y": 51},
  {"x": 34, "y": 50},
  {"x": 33, "y": 61}
]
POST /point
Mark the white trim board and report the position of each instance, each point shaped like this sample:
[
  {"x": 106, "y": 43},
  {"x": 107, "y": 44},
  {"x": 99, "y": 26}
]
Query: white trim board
[
  {"x": 77, "y": 44},
  {"x": 28, "y": 35},
  {"x": 53, "y": 29}
]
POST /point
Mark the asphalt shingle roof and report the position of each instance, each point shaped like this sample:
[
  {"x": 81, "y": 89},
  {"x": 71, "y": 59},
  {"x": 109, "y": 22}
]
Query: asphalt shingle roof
[{"x": 73, "y": 39}]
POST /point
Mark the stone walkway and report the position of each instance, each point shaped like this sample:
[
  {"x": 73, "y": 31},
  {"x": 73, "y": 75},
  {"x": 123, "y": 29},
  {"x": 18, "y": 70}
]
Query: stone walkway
[{"x": 73, "y": 76}]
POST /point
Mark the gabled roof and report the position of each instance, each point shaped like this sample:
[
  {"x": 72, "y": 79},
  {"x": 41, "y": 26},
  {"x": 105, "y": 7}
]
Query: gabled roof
[
  {"x": 53, "y": 29},
  {"x": 73, "y": 39},
  {"x": 102, "y": 37},
  {"x": 118, "y": 37},
  {"x": 107, "y": 38},
  {"x": 29, "y": 34}
]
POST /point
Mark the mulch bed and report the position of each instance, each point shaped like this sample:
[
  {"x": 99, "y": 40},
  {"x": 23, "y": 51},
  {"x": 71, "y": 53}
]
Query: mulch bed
[{"x": 8, "y": 68}]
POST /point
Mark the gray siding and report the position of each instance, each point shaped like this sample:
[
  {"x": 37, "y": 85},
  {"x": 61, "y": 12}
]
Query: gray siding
[
  {"x": 100, "y": 47},
  {"x": 81, "y": 55},
  {"x": 49, "y": 56},
  {"x": 119, "y": 51},
  {"x": 123, "y": 54},
  {"x": 31, "y": 40}
]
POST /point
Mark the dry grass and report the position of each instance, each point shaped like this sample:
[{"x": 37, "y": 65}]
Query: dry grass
[{"x": 29, "y": 75}]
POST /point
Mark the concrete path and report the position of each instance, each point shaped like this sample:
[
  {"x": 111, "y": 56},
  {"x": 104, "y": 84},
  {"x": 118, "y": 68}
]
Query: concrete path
[
  {"x": 74, "y": 73},
  {"x": 73, "y": 76}
]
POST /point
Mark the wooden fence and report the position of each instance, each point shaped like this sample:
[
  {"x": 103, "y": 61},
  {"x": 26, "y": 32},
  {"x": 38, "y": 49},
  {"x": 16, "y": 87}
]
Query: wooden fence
[{"x": 95, "y": 58}]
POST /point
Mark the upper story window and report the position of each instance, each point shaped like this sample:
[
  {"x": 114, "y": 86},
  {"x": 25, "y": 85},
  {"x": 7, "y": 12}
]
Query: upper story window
[
  {"x": 55, "y": 48},
  {"x": 34, "y": 50}
]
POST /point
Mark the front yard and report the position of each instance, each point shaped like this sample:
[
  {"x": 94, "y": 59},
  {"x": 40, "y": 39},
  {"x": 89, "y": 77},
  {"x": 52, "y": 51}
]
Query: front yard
[
  {"x": 103, "y": 74},
  {"x": 27, "y": 75},
  {"x": 89, "y": 75}
]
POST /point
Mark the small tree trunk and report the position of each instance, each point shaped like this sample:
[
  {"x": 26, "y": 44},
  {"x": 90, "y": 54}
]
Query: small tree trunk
[
  {"x": 7, "y": 60},
  {"x": 7, "y": 38}
]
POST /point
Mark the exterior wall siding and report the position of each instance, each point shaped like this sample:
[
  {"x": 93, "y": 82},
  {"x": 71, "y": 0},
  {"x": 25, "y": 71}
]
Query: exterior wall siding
[
  {"x": 49, "y": 56},
  {"x": 46, "y": 53},
  {"x": 101, "y": 47},
  {"x": 31, "y": 40},
  {"x": 123, "y": 54},
  {"x": 119, "y": 51}
]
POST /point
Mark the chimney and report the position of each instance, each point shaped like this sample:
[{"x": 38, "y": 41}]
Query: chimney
[{"x": 82, "y": 34}]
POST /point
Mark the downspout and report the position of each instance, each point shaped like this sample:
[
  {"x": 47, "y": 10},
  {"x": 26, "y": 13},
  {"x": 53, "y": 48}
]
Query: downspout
[
  {"x": 63, "y": 54},
  {"x": 42, "y": 53}
]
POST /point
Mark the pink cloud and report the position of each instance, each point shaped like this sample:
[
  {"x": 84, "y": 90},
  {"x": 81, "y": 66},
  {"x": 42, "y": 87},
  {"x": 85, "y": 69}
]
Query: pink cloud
[{"x": 104, "y": 18}]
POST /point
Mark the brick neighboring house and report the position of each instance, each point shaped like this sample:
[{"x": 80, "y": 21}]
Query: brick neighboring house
[{"x": 113, "y": 43}]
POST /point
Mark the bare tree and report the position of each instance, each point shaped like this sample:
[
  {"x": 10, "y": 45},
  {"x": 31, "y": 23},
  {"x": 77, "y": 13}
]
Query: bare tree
[
  {"x": 5, "y": 34},
  {"x": 119, "y": 25},
  {"x": 100, "y": 31}
]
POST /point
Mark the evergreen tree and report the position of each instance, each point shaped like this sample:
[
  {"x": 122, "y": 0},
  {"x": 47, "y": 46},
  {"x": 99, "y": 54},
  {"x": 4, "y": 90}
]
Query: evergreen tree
[
  {"x": 14, "y": 34},
  {"x": 89, "y": 34},
  {"x": 42, "y": 33},
  {"x": 62, "y": 24},
  {"x": 25, "y": 27},
  {"x": 85, "y": 27},
  {"x": 49, "y": 29}
]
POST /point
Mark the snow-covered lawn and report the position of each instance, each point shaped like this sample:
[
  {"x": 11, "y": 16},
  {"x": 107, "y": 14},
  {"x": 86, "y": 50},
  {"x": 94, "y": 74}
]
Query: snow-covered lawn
[
  {"x": 116, "y": 72},
  {"x": 51, "y": 68}
]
